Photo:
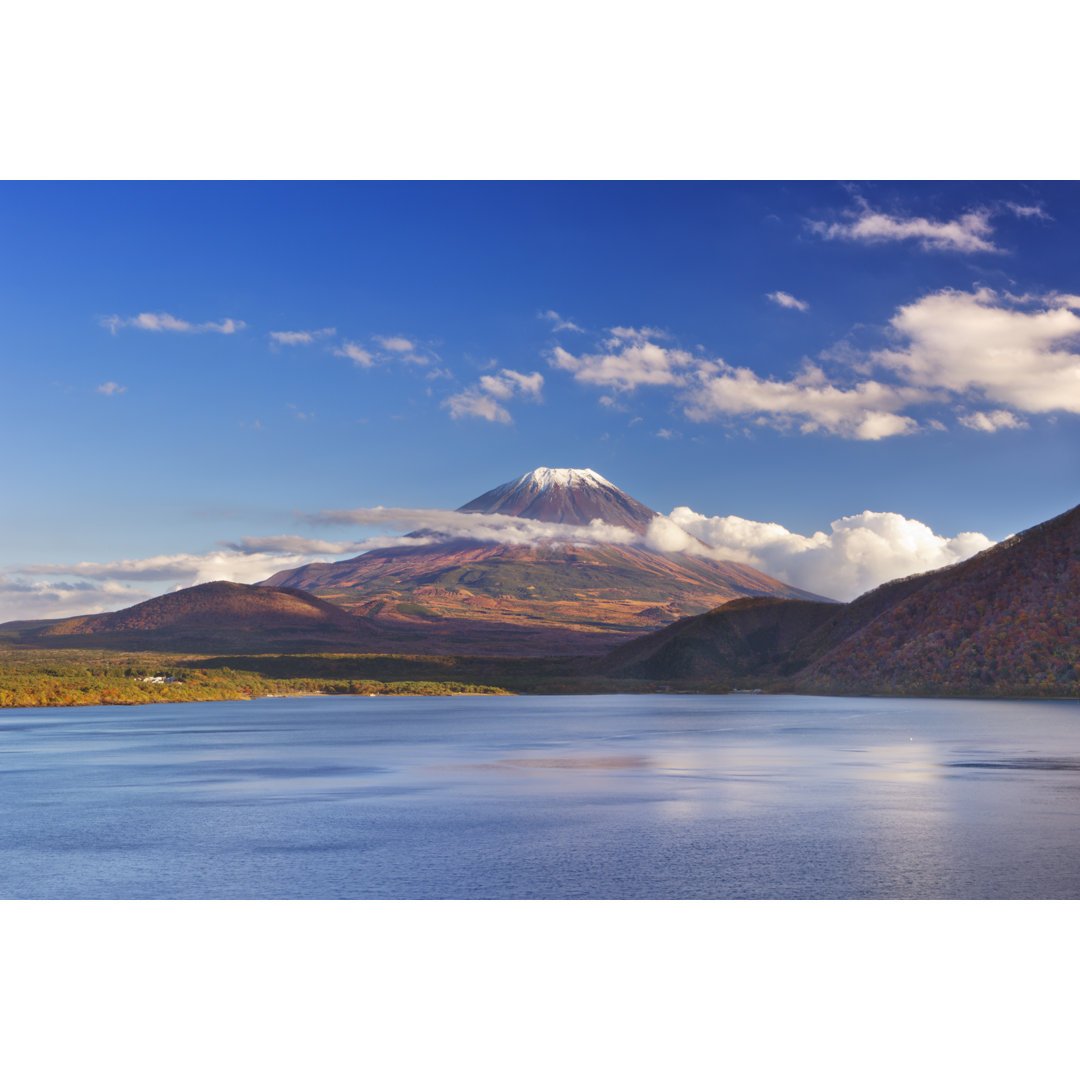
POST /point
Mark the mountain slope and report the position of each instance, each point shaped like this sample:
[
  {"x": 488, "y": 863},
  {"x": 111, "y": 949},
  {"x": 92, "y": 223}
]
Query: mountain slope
[
  {"x": 218, "y": 613},
  {"x": 463, "y": 595},
  {"x": 1004, "y": 622}
]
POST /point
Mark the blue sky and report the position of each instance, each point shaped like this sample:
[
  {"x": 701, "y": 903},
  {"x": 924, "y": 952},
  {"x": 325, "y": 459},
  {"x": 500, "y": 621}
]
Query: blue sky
[{"x": 186, "y": 365}]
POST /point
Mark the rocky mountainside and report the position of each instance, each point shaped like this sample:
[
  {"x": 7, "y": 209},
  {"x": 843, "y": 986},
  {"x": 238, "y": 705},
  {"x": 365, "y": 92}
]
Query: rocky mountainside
[
  {"x": 461, "y": 595},
  {"x": 1004, "y": 622}
]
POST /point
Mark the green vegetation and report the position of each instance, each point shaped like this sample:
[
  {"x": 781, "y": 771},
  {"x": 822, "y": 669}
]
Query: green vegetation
[
  {"x": 85, "y": 677},
  {"x": 409, "y": 608}
]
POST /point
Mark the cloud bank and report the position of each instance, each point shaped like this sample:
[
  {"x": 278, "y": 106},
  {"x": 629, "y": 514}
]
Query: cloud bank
[
  {"x": 858, "y": 552},
  {"x": 454, "y": 524},
  {"x": 62, "y": 599}
]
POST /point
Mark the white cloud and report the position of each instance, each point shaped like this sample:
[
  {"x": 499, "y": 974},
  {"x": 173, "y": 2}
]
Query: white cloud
[
  {"x": 161, "y": 320},
  {"x": 1027, "y": 211},
  {"x": 967, "y": 233},
  {"x": 998, "y": 420},
  {"x": 472, "y": 402},
  {"x": 867, "y": 411},
  {"x": 295, "y": 546},
  {"x": 630, "y": 362},
  {"x": 62, "y": 599},
  {"x": 669, "y": 538},
  {"x": 1013, "y": 351},
  {"x": 711, "y": 388},
  {"x": 1019, "y": 354},
  {"x": 395, "y": 344},
  {"x": 508, "y": 383},
  {"x": 483, "y": 400},
  {"x": 110, "y": 388},
  {"x": 635, "y": 335},
  {"x": 788, "y": 301},
  {"x": 500, "y": 528},
  {"x": 184, "y": 568},
  {"x": 106, "y": 586},
  {"x": 300, "y": 337},
  {"x": 396, "y": 348},
  {"x": 558, "y": 322},
  {"x": 356, "y": 353},
  {"x": 858, "y": 553}
]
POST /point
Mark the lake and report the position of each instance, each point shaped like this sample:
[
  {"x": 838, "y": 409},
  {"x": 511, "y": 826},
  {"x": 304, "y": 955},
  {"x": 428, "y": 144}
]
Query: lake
[{"x": 608, "y": 797}]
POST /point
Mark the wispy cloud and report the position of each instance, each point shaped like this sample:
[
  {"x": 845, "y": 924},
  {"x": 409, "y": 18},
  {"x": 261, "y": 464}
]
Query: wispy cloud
[
  {"x": 162, "y": 321},
  {"x": 483, "y": 400},
  {"x": 1027, "y": 211},
  {"x": 300, "y": 337},
  {"x": 110, "y": 388},
  {"x": 998, "y": 420},
  {"x": 392, "y": 349},
  {"x": 968, "y": 233},
  {"x": 786, "y": 300},
  {"x": 293, "y": 545},
  {"x": 62, "y": 599},
  {"x": 227, "y": 565},
  {"x": 355, "y": 352},
  {"x": 454, "y": 524},
  {"x": 558, "y": 322}
]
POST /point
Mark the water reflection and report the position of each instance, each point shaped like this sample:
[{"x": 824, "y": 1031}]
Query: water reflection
[{"x": 544, "y": 797}]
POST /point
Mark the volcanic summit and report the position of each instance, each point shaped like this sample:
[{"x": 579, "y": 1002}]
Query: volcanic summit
[
  {"x": 567, "y": 496},
  {"x": 567, "y": 589}
]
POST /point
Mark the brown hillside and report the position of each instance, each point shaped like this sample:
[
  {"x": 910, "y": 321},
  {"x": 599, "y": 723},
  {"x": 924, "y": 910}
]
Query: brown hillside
[
  {"x": 1005, "y": 622},
  {"x": 216, "y": 605}
]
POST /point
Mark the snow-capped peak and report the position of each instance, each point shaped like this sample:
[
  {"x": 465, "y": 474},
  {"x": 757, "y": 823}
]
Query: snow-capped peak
[
  {"x": 548, "y": 478},
  {"x": 574, "y": 496}
]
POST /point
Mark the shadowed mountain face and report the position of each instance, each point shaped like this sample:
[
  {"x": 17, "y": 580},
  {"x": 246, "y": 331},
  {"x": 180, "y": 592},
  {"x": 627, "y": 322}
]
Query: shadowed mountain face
[
  {"x": 1004, "y": 622},
  {"x": 457, "y": 595}
]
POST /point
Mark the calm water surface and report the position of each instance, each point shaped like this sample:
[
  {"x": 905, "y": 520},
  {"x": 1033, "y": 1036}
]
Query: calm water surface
[{"x": 534, "y": 797}]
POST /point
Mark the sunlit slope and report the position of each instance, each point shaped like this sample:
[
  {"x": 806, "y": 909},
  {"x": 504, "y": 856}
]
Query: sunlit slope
[
  {"x": 218, "y": 614},
  {"x": 597, "y": 593}
]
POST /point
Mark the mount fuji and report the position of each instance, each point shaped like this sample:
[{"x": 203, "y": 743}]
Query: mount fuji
[{"x": 597, "y": 568}]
